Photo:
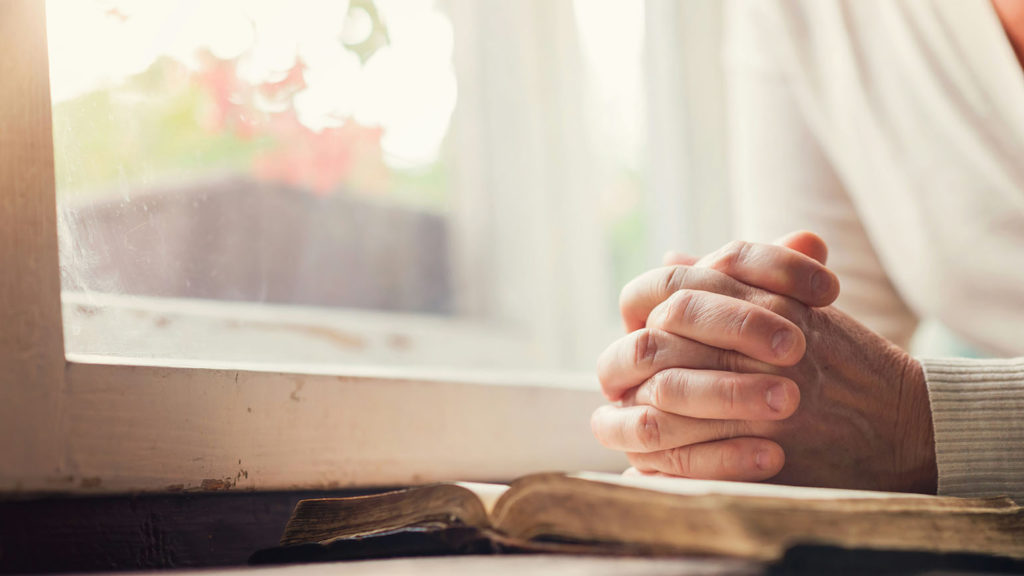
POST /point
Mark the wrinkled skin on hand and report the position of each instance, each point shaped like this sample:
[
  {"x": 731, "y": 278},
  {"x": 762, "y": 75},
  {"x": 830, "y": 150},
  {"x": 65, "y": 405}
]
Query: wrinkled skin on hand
[{"x": 707, "y": 388}]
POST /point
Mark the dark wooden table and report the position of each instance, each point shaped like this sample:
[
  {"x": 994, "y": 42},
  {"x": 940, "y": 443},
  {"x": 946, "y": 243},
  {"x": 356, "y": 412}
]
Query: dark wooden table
[{"x": 524, "y": 565}]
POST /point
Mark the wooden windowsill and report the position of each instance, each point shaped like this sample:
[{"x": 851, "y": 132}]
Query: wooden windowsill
[{"x": 131, "y": 426}]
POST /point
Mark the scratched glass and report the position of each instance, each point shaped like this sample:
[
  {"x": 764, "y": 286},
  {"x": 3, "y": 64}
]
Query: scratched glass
[{"x": 215, "y": 156}]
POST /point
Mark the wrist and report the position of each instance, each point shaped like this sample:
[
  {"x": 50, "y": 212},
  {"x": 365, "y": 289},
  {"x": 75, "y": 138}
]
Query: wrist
[{"x": 915, "y": 453}]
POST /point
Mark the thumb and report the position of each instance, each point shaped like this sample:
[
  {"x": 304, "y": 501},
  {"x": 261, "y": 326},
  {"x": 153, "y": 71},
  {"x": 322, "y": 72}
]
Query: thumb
[
  {"x": 806, "y": 243},
  {"x": 673, "y": 258}
]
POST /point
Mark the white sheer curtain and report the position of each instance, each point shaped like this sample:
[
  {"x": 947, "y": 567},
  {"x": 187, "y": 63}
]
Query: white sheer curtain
[
  {"x": 528, "y": 178},
  {"x": 530, "y": 174},
  {"x": 689, "y": 195}
]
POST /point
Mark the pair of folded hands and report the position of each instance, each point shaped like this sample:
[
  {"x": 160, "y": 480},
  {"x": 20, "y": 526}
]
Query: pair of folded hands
[{"x": 737, "y": 367}]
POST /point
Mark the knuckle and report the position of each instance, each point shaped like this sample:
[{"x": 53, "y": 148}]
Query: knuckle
[
  {"x": 675, "y": 279},
  {"x": 681, "y": 460},
  {"x": 783, "y": 306},
  {"x": 730, "y": 393},
  {"x": 681, "y": 306},
  {"x": 729, "y": 456},
  {"x": 667, "y": 388},
  {"x": 648, "y": 430},
  {"x": 798, "y": 313},
  {"x": 645, "y": 349},
  {"x": 629, "y": 398},
  {"x": 732, "y": 429},
  {"x": 741, "y": 322},
  {"x": 727, "y": 360},
  {"x": 731, "y": 256},
  {"x": 768, "y": 301},
  {"x": 656, "y": 389}
]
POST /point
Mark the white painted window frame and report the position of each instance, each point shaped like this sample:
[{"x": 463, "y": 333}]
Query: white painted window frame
[{"x": 94, "y": 424}]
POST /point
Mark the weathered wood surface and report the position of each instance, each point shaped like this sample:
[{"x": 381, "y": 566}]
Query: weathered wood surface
[
  {"x": 136, "y": 427},
  {"x": 31, "y": 341},
  {"x": 217, "y": 331}
]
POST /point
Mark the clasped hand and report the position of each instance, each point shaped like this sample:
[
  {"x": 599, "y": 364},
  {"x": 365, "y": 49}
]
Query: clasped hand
[{"x": 737, "y": 367}]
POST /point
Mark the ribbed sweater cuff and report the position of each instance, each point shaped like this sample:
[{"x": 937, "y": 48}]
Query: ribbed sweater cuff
[{"x": 978, "y": 416}]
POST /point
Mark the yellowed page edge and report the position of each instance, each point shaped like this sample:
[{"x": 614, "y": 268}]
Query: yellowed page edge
[{"x": 691, "y": 487}]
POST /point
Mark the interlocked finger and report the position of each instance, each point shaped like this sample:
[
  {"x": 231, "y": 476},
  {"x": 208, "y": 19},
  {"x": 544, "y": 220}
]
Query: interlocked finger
[
  {"x": 776, "y": 269},
  {"x": 717, "y": 394},
  {"x": 647, "y": 429},
  {"x": 732, "y": 324},
  {"x": 634, "y": 358},
  {"x": 742, "y": 459}
]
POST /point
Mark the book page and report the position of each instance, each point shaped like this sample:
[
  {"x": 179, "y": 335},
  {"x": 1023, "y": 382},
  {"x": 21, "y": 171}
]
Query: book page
[
  {"x": 487, "y": 493},
  {"x": 693, "y": 487}
]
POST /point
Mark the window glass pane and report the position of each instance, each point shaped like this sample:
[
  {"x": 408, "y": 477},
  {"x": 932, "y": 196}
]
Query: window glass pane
[{"x": 238, "y": 178}]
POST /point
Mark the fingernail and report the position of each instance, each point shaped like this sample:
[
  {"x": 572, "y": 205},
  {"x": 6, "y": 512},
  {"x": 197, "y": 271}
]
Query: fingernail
[
  {"x": 782, "y": 342},
  {"x": 762, "y": 459},
  {"x": 775, "y": 397},
  {"x": 821, "y": 282}
]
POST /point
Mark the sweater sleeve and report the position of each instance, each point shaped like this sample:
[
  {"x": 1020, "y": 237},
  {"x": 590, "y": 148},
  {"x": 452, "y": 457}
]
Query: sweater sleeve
[{"x": 978, "y": 417}]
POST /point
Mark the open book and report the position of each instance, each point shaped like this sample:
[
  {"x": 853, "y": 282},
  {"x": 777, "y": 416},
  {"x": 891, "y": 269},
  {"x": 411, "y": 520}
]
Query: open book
[{"x": 591, "y": 512}]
